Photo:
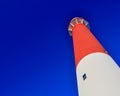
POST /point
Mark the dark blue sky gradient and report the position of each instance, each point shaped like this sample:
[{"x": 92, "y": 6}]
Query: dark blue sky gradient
[{"x": 36, "y": 51}]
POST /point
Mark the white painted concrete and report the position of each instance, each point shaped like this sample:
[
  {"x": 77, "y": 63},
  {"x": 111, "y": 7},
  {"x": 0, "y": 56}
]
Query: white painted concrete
[{"x": 102, "y": 76}]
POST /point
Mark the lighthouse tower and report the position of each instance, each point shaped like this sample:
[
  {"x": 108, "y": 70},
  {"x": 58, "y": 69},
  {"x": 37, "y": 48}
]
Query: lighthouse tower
[{"x": 97, "y": 73}]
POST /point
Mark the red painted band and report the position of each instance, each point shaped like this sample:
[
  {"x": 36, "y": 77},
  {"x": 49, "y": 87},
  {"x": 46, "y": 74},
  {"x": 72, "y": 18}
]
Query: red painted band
[{"x": 84, "y": 42}]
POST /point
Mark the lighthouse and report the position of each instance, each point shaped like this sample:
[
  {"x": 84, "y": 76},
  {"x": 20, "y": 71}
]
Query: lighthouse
[{"x": 97, "y": 73}]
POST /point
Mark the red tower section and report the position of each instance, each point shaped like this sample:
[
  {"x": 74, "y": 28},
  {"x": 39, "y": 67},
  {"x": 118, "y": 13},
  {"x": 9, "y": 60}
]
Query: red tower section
[{"x": 84, "y": 41}]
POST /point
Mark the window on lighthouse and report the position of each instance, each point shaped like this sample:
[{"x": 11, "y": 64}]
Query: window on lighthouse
[{"x": 84, "y": 76}]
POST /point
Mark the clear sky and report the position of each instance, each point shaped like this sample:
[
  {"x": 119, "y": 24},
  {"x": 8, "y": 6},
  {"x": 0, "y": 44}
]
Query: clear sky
[{"x": 36, "y": 51}]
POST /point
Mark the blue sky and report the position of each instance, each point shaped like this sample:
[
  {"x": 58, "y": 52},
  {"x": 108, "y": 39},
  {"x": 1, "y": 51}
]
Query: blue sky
[{"x": 36, "y": 51}]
